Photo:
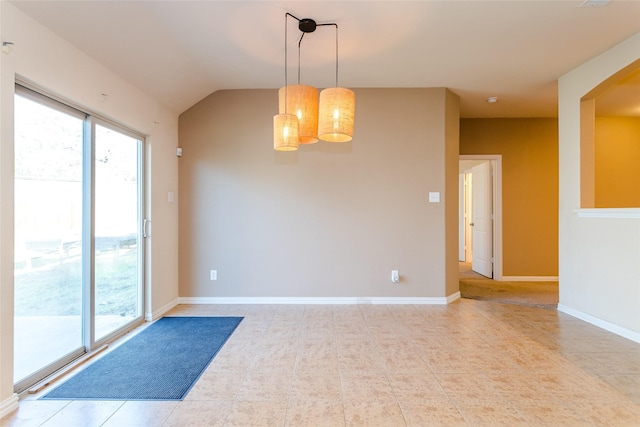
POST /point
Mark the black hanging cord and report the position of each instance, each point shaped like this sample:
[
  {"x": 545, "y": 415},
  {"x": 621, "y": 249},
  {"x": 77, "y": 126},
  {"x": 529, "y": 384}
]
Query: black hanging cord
[
  {"x": 299, "y": 42},
  {"x": 336, "y": 25},
  {"x": 285, "y": 63}
]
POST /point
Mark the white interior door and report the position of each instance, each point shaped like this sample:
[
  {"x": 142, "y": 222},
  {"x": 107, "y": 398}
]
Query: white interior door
[
  {"x": 468, "y": 208},
  {"x": 482, "y": 235}
]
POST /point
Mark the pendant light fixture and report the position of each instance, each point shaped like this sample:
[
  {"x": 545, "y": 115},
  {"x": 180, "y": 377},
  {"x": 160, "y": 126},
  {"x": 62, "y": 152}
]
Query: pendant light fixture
[
  {"x": 285, "y": 125},
  {"x": 337, "y": 110},
  {"x": 301, "y": 100},
  {"x": 285, "y": 132},
  {"x": 328, "y": 117},
  {"x": 337, "y": 106}
]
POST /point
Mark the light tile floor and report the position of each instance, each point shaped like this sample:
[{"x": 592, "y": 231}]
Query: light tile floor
[{"x": 470, "y": 363}]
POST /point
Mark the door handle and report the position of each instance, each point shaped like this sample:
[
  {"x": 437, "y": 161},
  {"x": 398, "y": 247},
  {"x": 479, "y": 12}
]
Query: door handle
[{"x": 471, "y": 224}]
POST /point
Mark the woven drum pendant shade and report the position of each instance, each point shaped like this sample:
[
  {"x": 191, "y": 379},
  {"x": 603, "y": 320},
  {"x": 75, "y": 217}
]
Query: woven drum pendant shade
[
  {"x": 285, "y": 132},
  {"x": 302, "y": 100},
  {"x": 337, "y": 109}
]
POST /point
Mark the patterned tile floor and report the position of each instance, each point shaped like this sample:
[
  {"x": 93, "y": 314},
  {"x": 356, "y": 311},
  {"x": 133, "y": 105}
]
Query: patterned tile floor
[{"x": 471, "y": 363}]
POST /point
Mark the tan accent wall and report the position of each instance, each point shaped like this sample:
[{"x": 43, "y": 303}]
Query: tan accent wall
[
  {"x": 587, "y": 153},
  {"x": 329, "y": 220},
  {"x": 529, "y": 149},
  {"x": 617, "y": 162}
]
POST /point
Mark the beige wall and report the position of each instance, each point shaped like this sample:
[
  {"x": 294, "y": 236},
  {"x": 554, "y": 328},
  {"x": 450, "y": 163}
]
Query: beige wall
[
  {"x": 330, "y": 220},
  {"x": 452, "y": 156},
  {"x": 529, "y": 149},
  {"x": 617, "y": 162},
  {"x": 51, "y": 63},
  {"x": 8, "y": 400},
  {"x": 598, "y": 249}
]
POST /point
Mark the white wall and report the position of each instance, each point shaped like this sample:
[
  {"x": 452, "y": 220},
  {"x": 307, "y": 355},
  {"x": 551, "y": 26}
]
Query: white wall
[
  {"x": 599, "y": 258},
  {"x": 41, "y": 57}
]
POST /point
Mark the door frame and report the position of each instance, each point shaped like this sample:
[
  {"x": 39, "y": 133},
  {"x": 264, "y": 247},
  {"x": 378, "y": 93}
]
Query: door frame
[
  {"x": 92, "y": 342},
  {"x": 89, "y": 343},
  {"x": 496, "y": 160}
]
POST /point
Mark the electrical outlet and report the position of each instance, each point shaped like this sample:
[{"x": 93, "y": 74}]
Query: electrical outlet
[
  {"x": 213, "y": 275},
  {"x": 395, "y": 276}
]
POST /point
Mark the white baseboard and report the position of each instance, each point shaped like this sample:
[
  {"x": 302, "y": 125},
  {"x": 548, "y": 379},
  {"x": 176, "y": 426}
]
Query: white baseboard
[
  {"x": 632, "y": 213},
  {"x": 319, "y": 300},
  {"x": 529, "y": 278},
  {"x": 607, "y": 326},
  {"x": 453, "y": 297},
  {"x": 150, "y": 317},
  {"x": 9, "y": 405}
]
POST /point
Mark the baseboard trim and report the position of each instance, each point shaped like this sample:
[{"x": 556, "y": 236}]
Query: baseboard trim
[
  {"x": 320, "y": 300},
  {"x": 9, "y": 405},
  {"x": 627, "y": 213},
  {"x": 150, "y": 317},
  {"x": 453, "y": 297},
  {"x": 529, "y": 278},
  {"x": 607, "y": 326}
]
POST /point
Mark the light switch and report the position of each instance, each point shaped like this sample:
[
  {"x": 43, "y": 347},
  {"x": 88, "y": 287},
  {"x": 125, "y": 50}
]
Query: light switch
[
  {"x": 170, "y": 197},
  {"x": 434, "y": 197}
]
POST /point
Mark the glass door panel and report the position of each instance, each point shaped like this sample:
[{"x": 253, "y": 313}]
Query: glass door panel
[
  {"x": 117, "y": 241},
  {"x": 78, "y": 248},
  {"x": 48, "y": 236}
]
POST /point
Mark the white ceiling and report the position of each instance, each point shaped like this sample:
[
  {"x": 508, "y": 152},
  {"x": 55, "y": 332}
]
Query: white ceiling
[{"x": 181, "y": 51}]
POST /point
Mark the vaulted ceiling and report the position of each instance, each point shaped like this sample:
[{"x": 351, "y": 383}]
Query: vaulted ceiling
[{"x": 181, "y": 51}]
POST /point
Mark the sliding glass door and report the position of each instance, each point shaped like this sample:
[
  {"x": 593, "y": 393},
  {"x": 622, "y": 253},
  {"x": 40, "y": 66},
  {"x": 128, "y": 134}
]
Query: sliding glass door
[
  {"x": 48, "y": 234},
  {"x": 78, "y": 250},
  {"x": 117, "y": 255}
]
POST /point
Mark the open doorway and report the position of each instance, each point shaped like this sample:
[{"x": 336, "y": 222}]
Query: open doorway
[{"x": 480, "y": 215}]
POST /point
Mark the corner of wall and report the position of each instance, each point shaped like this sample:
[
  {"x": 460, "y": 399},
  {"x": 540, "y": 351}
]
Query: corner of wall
[
  {"x": 452, "y": 156},
  {"x": 596, "y": 255},
  {"x": 8, "y": 400}
]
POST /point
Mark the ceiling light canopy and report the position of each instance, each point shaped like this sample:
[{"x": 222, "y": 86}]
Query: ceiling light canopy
[{"x": 303, "y": 116}]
